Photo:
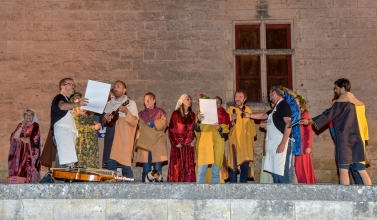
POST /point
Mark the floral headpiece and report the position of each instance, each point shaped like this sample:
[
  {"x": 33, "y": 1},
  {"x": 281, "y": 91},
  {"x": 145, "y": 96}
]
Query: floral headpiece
[
  {"x": 74, "y": 96},
  {"x": 202, "y": 96},
  {"x": 302, "y": 99}
]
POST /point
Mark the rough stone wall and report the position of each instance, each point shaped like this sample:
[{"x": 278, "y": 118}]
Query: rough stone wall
[{"x": 174, "y": 47}]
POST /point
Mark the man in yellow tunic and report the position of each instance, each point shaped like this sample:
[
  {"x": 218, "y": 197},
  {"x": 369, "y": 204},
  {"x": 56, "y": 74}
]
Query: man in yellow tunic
[
  {"x": 241, "y": 138},
  {"x": 211, "y": 145}
]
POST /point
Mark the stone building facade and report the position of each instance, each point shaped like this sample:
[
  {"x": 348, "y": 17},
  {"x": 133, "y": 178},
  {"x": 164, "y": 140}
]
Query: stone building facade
[{"x": 171, "y": 47}]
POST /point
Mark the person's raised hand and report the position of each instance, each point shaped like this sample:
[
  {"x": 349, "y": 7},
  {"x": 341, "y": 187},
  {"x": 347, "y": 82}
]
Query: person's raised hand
[
  {"x": 200, "y": 116},
  {"x": 83, "y": 102},
  {"x": 97, "y": 126}
]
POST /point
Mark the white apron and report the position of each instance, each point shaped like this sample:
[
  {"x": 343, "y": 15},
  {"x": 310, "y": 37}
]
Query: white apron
[
  {"x": 65, "y": 134},
  {"x": 274, "y": 162},
  {"x": 265, "y": 177}
]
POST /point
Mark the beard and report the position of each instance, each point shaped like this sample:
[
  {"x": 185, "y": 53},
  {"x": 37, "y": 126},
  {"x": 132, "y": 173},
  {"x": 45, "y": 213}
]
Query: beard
[
  {"x": 117, "y": 94},
  {"x": 336, "y": 95},
  {"x": 238, "y": 103},
  {"x": 272, "y": 99}
]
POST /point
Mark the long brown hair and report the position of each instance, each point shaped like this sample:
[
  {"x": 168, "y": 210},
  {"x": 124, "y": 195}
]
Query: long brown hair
[
  {"x": 182, "y": 109},
  {"x": 302, "y": 101}
]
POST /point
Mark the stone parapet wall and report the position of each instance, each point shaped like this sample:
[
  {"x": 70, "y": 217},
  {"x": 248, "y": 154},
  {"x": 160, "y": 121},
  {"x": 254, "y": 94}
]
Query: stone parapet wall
[
  {"x": 171, "y": 47},
  {"x": 186, "y": 201}
]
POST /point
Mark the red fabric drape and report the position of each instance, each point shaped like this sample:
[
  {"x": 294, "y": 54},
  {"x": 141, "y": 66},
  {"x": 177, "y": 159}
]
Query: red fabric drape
[
  {"x": 182, "y": 160},
  {"x": 223, "y": 117}
]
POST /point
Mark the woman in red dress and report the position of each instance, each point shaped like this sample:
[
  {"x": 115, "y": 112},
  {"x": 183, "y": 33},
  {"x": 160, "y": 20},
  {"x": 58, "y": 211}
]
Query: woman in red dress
[
  {"x": 303, "y": 163},
  {"x": 182, "y": 139},
  {"x": 25, "y": 149}
]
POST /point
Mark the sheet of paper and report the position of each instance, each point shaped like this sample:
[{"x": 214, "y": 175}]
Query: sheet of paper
[
  {"x": 97, "y": 93},
  {"x": 209, "y": 109}
]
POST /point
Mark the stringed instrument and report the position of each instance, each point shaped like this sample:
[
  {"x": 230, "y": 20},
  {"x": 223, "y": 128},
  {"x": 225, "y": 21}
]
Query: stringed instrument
[
  {"x": 84, "y": 174},
  {"x": 115, "y": 115},
  {"x": 88, "y": 175}
]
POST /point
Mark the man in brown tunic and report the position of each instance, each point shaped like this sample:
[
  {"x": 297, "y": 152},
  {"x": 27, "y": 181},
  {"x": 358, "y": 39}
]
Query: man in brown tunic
[
  {"x": 119, "y": 139},
  {"x": 154, "y": 118}
]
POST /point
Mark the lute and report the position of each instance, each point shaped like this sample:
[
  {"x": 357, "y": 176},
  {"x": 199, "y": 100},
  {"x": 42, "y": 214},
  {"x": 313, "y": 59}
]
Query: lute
[
  {"x": 115, "y": 115},
  {"x": 88, "y": 175},
  {"x": 84, "y": 174}
]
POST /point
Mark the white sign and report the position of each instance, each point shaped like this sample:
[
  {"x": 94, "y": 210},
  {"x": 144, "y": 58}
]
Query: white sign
[
  {"x": 208, "y": 108},
  {"x": 97, "y": 93}
]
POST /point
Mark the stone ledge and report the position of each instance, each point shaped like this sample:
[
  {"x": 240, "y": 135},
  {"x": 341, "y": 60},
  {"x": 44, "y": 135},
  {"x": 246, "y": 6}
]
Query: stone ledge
[
  {"x": 186, "y": 201},
  {"x": 184, "y": 209},
  {"x": 188, "y": 191}
]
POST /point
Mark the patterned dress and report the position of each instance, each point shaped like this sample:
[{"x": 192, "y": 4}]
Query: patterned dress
[
  {"x": 87, "y": 142},
  {"x": 24, "y": 160}
]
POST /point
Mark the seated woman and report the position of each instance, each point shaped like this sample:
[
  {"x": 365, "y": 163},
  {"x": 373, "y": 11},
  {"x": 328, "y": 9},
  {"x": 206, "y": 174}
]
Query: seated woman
[
  {"x": 87, "y": 141},
  {"x": 25, "y": 149}
]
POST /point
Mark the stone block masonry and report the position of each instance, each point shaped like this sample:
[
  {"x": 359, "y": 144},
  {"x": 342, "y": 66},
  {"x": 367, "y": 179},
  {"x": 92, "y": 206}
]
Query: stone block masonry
[{"x": 186, "y": 201}]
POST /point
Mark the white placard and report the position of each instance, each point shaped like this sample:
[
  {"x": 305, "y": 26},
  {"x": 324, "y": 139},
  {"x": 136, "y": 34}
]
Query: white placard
[
  {"x": 97, "y": 93},
  {"x": 208, "y": 108}
]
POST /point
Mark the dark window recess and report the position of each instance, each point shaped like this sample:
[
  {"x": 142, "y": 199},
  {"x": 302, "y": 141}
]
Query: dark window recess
[
  {"x": 279, "y": 71},
  {"x": 247, "y": 37},
  {"x": 249, "y": 76},
  {"x": 278, "y": 36}
]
